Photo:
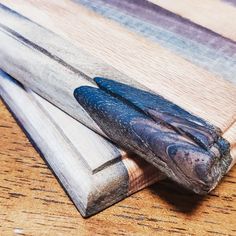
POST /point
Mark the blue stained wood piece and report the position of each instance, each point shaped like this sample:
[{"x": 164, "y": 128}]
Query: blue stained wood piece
[{"x": 184, "y": 147}]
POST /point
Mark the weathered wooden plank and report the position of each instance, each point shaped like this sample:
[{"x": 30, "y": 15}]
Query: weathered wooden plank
[
  {"x": 69, "y": 154},
  {"x": 153, "y": 66},
  {"x": 44, "y": 56},
  {"x": 212, "y": 14}
]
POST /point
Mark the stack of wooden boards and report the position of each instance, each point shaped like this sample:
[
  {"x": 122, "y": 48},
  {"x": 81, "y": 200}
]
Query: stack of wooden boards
[{"x": 54, "y": 47}]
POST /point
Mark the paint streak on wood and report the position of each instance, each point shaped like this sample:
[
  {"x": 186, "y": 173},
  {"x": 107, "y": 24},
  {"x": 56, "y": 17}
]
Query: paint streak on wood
[{"x": 184, "y": 147}]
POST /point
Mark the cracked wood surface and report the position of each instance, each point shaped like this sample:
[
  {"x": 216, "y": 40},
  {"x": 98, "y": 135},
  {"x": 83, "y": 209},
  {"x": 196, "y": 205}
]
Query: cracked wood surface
[{"x": 33, "y": 203}]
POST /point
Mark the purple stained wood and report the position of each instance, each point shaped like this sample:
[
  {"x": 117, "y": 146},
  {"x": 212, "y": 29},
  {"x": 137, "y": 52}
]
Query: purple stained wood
[
  {"x": 232, "y": 2},
  {"x": 175, "y": 23},
  {"x": 194, "y": 43}
]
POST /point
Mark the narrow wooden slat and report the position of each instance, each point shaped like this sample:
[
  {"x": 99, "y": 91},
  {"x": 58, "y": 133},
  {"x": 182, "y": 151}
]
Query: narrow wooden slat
[
  {"x": 49, "y": 139},
  {"x": 61, "y": 50},
  {"x": 28, "y": 56},
  {"x": 96, "y": 152},
  {"x": 216, "y": 15}
]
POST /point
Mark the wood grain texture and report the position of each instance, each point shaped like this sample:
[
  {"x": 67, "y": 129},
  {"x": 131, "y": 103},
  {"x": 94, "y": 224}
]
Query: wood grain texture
[
  {"x": 171, "y": 216},
  {"x": 52, "y": 62},
  {"x": 222, "y": 107},
  {"x": 153, "y": 66},
  {"x": 33, "y": 203},
  {"x": 216, "y": 15},
  {"x": 193, "y": 42},
  {"x": 83, "y": 186},
  {"x": 74, "y": 152},
  {"x": 202, "y": 105}
]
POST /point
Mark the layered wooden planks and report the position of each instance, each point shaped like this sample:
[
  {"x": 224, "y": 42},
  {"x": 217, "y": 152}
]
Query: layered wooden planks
[
  {"x": 141, "y": 215},
  {"x": 51, "y": 61},
  {"x": 93, "y": 178},
  {"x": 216, "y": 15},
  {"x": 189, "y": 90},
  {"x": 46, "y": 55}
]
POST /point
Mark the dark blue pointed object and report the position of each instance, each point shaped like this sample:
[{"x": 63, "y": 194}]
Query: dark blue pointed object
[{"x": 186, "y": 148}]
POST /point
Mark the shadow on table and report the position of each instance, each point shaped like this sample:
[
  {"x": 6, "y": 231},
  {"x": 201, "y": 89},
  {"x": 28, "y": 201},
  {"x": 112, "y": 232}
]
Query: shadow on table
[{"x": 178, "y": 198}]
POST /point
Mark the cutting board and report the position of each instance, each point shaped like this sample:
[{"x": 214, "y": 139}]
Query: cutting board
[{"x": 82, "y": 46}]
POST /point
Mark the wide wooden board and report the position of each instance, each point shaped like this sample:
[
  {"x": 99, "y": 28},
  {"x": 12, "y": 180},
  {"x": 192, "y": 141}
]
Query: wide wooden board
[
  {"x": 152, "y": 66},
  {"x": 173, "y": 77},
  {"x": 192, "y": 41}
]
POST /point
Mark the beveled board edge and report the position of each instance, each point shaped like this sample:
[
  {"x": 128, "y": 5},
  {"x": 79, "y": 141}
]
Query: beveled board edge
[{"x": 90, "y": 193}]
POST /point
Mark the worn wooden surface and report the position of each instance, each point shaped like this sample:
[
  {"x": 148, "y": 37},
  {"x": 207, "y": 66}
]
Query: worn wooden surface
[
  {"x": 33, "y": 203},
  {"x": 162, "y": 71},
  {"x": 172, "y": 82},
  {"x": 89, "y": 167}
]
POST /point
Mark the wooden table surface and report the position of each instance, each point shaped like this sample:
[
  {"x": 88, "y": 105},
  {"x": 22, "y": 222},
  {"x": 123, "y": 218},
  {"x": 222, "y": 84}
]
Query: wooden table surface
[{"x": 32, "y": 202}]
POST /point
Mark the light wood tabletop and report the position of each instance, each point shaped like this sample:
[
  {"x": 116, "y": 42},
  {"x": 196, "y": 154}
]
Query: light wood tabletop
[{"x": 32, "y": 202}]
